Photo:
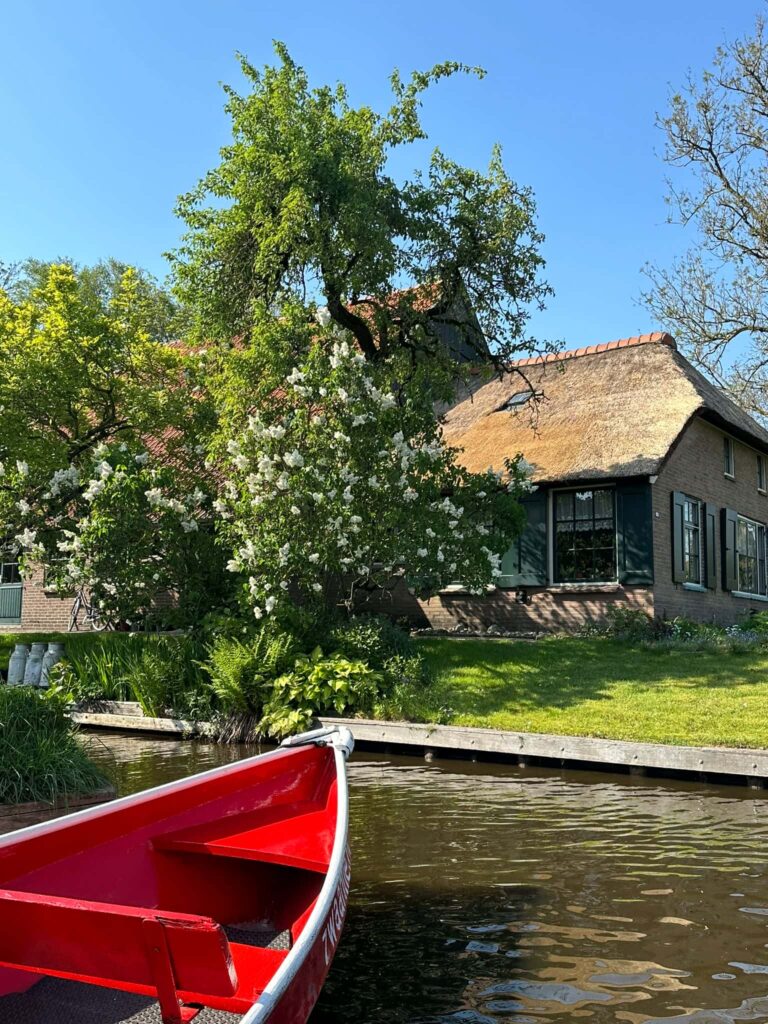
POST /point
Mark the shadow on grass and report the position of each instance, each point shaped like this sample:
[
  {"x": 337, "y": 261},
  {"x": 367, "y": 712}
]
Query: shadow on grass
[{"x": 484, "y": 676}]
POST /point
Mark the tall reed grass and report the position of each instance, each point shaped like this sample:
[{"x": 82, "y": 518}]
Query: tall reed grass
[{"x": 40, "y": 756}]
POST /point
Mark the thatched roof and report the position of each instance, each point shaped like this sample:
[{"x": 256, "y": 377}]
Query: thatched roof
[{"x": 612, "y": 410}]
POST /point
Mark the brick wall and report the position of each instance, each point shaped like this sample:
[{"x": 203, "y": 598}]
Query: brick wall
[
  {"x": 40, "y": 612},
  {"x": 548, "y": 610},
  {"x": 696, "y": 468}
]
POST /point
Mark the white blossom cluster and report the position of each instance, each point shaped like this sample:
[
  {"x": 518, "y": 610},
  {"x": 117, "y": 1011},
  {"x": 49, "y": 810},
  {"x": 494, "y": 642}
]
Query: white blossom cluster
[
  {"x": 345, "y": 475},
  {"x": 79, "y": 541}
]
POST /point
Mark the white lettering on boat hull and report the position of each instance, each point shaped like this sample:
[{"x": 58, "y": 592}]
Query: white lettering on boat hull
[{"x": 335, "y": 920}]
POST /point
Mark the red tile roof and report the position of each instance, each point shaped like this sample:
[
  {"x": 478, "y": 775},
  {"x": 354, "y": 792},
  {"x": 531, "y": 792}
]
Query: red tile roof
[{"x": 657, "y": 338}]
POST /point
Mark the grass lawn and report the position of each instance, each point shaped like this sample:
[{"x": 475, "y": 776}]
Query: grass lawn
[{"x": 600, "y": 687}]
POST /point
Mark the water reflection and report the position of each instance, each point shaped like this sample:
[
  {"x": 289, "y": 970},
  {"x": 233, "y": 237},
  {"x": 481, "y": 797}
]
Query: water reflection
[{"x": 485, "y": 895}]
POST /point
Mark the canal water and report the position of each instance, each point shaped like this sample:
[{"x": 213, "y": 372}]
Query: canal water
[{"x": 484, "y": 894}]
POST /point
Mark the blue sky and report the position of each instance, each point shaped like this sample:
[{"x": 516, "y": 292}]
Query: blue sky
[{"x": 110, "y": 110}]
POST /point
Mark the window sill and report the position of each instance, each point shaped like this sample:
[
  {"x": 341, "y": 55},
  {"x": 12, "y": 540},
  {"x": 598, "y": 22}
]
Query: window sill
[
  {"x": 583, "y": 588},
  {"x": 729, "y": 476},
  {"x": 749, "y": 597},
  {"x": 697, "y": 587}
]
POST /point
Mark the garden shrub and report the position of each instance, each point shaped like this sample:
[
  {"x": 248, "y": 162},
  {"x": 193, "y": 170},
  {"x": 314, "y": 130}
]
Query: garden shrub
[
  {"x": 40, "y": 757},
  {"x": 757, "y": 622},
  {"x": 166, "y": 675},
  {"x": 633, "y": 625},
  {"x": 682, "y": 634},
  {"x": 371, "y": 638},
  {"x": 318, "y": 684}
]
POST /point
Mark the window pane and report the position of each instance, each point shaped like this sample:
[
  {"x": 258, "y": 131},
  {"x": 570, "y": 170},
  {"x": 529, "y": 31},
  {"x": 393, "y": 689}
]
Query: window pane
[
  {"x": 605, "y": 568},
  {"x": 564, "y": 507},
  {"x": 582, "y": 538},
  {"x": 747, "y": 580},
  {"x": 583, "y": 501},
  {"x": 751, "y": 540},
  {"x": 741, "y": 536},
  {"x": 603, "y": 504},
  {"x": 9, "y": 573}
]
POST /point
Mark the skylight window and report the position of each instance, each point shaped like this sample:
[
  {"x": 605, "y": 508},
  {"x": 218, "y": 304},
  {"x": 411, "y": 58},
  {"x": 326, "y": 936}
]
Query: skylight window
[{"x": 516, "y": 400}]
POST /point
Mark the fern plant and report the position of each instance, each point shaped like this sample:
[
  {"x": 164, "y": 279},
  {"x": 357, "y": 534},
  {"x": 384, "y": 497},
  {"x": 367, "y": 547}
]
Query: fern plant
[{"x": 240, "y": 670}]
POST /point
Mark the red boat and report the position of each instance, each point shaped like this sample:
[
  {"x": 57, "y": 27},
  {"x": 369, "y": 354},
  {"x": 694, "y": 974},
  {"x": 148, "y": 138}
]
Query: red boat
[{"x": 218, "y": 898}]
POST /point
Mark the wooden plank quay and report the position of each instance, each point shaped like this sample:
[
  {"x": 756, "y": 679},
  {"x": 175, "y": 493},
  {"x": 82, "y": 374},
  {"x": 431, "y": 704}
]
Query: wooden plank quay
[
  {"x": 132, "y": 721},
  {"x": 740, "y": 765},
  {"x": 746, "y": 765}
]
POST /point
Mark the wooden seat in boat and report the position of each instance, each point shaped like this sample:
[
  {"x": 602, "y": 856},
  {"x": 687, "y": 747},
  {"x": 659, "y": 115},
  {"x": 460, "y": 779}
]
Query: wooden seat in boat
[
  {"x": 294, "y": 835},
  {"x": 138, "y": 949}
]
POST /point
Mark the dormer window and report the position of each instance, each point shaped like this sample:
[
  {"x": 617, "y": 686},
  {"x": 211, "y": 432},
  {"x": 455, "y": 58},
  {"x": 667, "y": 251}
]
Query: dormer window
[
  {"x": 728, "y": 460},
  {"x": 515, "y": 401}
]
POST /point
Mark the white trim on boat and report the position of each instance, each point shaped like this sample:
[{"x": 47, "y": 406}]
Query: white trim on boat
[{"x": 342, "y": 742}]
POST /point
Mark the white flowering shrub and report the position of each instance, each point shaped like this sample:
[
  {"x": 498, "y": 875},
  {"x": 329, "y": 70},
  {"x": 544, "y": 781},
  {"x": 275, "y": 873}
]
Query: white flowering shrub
[
  {"x": 124, "y": 529},
  {"x": 340, "y": 478}
]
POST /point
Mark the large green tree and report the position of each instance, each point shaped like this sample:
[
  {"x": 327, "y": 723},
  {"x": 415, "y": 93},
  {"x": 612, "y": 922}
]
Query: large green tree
[
  {"x": 715, "y": 297},
  {"x": 303, "y": 208},
  {"x": 82, "y": 362},
  {"x": 102, "y": 476}
]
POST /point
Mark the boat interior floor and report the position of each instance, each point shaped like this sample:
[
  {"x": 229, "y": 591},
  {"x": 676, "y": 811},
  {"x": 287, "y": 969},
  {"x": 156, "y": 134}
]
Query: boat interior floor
[
  {"x": 257, "y": 933},
  {"x": 56, "y": 1001},
  {"x": 73, "y": 1002}
]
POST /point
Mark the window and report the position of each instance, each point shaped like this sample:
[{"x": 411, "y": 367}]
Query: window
[
  {"x": 516, "y": 400},
  {"x": 585, "y": 536},
  {"x": 692, "y": 515},
  {"x": 760, "y": 473},
  {"x": 728, "y": 461},
  {"x": 9, "y": 573},
  {"x": 750, "y": 548}
]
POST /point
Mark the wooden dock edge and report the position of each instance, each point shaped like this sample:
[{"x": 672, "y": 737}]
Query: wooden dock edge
[{"x": 742, "y": 766}]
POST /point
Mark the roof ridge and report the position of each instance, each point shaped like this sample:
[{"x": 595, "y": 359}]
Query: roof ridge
[{"x": 655, "y": 338}]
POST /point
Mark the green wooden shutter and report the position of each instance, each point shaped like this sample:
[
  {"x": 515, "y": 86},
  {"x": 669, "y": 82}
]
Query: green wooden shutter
[
  {"x": 10, "y": 603},
  {"x": 525, "y": 564},
  {"x": 678, "y": 563},
  {"x": 634, "y": 532},
  {"x": 710, "y": 548},
  {"x": 728, "y": 535}
]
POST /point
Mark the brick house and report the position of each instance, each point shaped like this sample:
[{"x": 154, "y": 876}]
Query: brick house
[{"x": 650, "y": 492}]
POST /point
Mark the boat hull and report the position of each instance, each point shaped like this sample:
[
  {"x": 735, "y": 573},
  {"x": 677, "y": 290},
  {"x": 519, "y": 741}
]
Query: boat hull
[{"x": 301, "y": 995}]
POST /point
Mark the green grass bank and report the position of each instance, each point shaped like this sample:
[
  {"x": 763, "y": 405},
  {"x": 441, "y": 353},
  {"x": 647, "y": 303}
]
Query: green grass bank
[{"x": 598, "y": 686}]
